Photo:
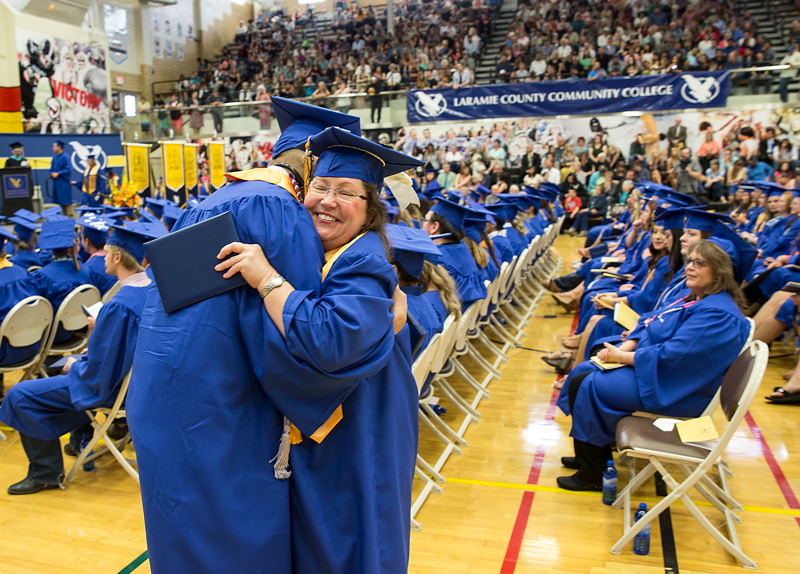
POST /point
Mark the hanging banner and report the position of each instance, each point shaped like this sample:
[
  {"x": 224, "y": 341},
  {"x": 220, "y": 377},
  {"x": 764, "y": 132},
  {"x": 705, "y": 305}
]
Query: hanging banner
[
  {"x": 190, "y": 165},
  {"x": 610, "y": 95},
  {"x": 216, "y": 164},
  {"x": 137, "y": 164},
  {"x": 172, "y": 170}
]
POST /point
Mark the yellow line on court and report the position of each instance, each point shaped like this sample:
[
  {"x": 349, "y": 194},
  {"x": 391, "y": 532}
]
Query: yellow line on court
[{"x": 556, "y": 490}]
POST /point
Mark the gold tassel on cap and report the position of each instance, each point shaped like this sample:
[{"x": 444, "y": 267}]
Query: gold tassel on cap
[{"x": 307, "y": 165}]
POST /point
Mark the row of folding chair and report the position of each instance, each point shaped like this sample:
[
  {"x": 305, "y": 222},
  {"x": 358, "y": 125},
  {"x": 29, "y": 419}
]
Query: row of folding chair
[{"x": 465, "y": 357}]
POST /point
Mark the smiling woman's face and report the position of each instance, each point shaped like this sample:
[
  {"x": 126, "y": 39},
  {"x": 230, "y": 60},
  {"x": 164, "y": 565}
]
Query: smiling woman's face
[{"x": 337, "y": 218}]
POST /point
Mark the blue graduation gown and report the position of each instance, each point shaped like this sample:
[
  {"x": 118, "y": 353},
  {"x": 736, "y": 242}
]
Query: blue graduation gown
[
  {"x": 518, "y": 241},
  {"x": 355, "y": 521},
  {"x": 54, "y": 282},
  {"x": 25, "y": 259},
  {"x": 211, "y": 383},
  {"x": 665, "y": 378},
  {"x": 491, "y": 270},
  {"x": 96, "y": 266},
  {"x": 61, "y": 186},
  {"x": 786, "y": 313},
  {"x": 14, "y": 287},
  {"x": 435, "y": 299},
  {"x": 505, "y": 249},
  {"x": 461, "y": 266},
  {"x": 421, "y": 308},
  {"x": 50, "y": 407},
  {"x": 642, "y": 301}
]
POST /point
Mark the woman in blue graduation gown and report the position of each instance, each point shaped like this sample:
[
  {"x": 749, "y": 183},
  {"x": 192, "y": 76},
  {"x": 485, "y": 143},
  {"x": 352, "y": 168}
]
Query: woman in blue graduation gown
[
  {"x": 676, "y": 360},
  {"x": 26, "y": 254},
  {"x": 348, "y": 521},
  {"x": 42, "y": 410},
  {"x": 93, "y": 239},
  {"x": 448, "y": 217}
]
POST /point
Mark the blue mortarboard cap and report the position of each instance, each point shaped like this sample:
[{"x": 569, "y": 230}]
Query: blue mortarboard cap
[
  {"x": 390, "y": 209},
  {"x": 474, "y": 195},
  {"x": 342, "y": 154},
  {"x": 299, "y": 121},
  {"x": 483, "y": 190},
  {"x": 115, "y": 215},
  {"x": 126, "y": 211},
  {"x": 432, "y": 186},
  {"x": 24, "y": 228},
  {"x": 677, "y": 197},
  {"x": 95, "y": 229},
  {"x": 479, "y": 209},
  {"x": 57, "y": 235},
  {"x": 5, "y": 234},
  {"x": 671, "y": 218},
  {"x": 156, "y": 206},
  {"x": 60, "y": 143},
  {"x": 704, "y": 220},
  {"x": 57, "y": 217},
  {"x": 29, "y": 215},
  {"x": 171, "y": 214},
  {"x": 430, "y": 169},
  {"x": 452, "y": 212},
  {"x": 550, "y": 186},
  {"x": 151, "y": 230},
  {"x": 131, "y": 237},
  {"x": 743, "y": 255},
  {"x": 502, "y": 210},
  {"x": 86, "y": 209},
  {"x": 48, "y": 213},
  {"x": 411, "y": 247},
  {"x": 192, "y": 201}
]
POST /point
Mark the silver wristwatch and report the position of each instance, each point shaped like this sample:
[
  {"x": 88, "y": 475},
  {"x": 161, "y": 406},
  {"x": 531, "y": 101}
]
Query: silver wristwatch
[{"x": 274, "y": 283}]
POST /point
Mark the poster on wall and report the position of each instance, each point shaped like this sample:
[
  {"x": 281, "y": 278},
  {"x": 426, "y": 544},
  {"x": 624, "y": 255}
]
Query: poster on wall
[
  {"x": 189, "y": 33},
  {"x": 168, "y": 49},
  {"x": 63, "y": 85},
  {"x": 167, "y": 27},
  {"x": 155, "y": 21},
  {"x": 157, "y": 47},
  {"x": 179, "y": 30},
  {"x": 115, "y": 21},
  {"x": 180, "y": 52}
]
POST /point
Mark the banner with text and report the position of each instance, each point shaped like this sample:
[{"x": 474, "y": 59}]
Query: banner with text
[
  {"x": 572, "y": 97},
  {"x": 216, "y": 164},
  {"x": 137, "y": 165},
  {"x": 172, "y": 170},
  {"x": 190, "y": 166}
]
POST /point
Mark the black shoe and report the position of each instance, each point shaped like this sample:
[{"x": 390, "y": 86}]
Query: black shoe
[
  {"x": 116, "y": 431},
  {"x": 29, "y": 486},
  {"x": 570, "y": 462},
  {"x": 570, "y": 483},
  {"x": 561, "y": 365}
]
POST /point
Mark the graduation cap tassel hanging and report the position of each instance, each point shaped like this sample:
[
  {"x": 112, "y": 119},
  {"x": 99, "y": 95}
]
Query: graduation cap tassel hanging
[
  {"x": 281, "y": 459},
  {"x": 307, "y": 166},
  {"x": 402, "y": 189}
]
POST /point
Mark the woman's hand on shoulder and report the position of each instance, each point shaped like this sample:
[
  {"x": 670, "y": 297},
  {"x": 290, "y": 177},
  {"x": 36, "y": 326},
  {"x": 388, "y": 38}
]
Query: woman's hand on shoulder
[
  {"x": 250, "y": 261},
  {"x": 400, "y": 309}
]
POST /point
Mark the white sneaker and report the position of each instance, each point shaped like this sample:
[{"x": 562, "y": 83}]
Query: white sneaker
[{"x": 577, "y": 264}]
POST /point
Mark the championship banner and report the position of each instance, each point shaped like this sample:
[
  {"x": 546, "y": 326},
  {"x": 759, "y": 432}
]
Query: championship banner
[
  {"x": 190, "y": 166},
  {"x": 216, "y": 164},
  {"x": 172, "y": 170},
  {"x": 137, "y": 164},
  {"x": 610, "y": 95}
]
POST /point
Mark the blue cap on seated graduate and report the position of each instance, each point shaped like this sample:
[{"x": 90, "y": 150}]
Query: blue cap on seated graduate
[
  {"x": 742, "y": 254},
  {"x": 299, "y": 121},
  {"x": 24, "y": 228},
  {"x": 342, "y": 154},
  {"x": 57, "y": 235},
  {"x": 704, "y": 220},
  {"x": 453, "y": 213},
  {"x": 131, "y": 237},
  {"x": 411, "y": 247},
  {"x": 95, "y": 228}
]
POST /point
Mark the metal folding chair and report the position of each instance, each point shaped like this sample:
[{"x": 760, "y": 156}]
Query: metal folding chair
[{"x": 28, "y": 323}]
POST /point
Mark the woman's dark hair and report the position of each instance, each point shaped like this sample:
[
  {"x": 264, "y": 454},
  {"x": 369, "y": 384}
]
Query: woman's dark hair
[
  {"x": 675, "y": 256},
  {"x": 722, "y": 269},
  {"x": 655, "y": 256},
  {"x": 376, "y": 216},
  {"x": 445, "y": 227}
]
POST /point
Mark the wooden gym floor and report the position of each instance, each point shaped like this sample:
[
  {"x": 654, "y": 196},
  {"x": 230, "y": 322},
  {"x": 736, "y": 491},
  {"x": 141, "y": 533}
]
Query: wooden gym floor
[{"x": 500, "y": 513}]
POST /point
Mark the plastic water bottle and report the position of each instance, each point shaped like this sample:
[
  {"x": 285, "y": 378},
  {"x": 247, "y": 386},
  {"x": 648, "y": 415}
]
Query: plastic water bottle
[
  {"x": 87, "y": 466},
  {"x": 641, "y": 542},
  {"x": 610, "y": 484}
]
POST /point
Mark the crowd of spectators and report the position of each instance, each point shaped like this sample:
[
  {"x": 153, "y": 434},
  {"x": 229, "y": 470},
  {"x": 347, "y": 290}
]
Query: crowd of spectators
[{"x": 576, "y": 39}]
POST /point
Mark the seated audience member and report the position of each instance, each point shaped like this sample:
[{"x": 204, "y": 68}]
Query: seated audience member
[
  {"x": 597, "y": 208},
  {"x": 42, "y": 410},
  {"x": 675, "y": 360},
  {"x": 14, "y": 287},
  {"x": 63, "y": 274},
  {"x": 27, "y": 254},
  {"x": 448, "y": 217},
  {"x": 94, "y": 233}
]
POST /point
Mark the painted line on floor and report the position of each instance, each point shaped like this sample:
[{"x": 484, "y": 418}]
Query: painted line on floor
[
  {"x": 141, "y": 559},
  {"x": 773, "y": 465},
  {"x": 521, "y": 523}
]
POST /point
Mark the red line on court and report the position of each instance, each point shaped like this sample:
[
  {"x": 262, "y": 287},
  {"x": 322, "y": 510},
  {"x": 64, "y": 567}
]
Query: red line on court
[
  {"x": 773, "y": 465},
  {"x": 524, "y": 512}
]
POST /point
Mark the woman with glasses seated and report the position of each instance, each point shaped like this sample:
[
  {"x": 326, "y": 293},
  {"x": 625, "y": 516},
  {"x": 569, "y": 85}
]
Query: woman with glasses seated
[{"x": 674, "y": 360}]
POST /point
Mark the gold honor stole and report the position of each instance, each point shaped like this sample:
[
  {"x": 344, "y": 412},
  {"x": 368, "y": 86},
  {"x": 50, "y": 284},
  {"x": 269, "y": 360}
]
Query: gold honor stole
[
  {"x": 90, "y": 178},
  {"x": 280, "y": 178}
]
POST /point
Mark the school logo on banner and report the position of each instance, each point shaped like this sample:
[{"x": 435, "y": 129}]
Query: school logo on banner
[
  {"x": 80, "y": 157},
  {"x": 699, "y": 90},
  {"x": 15, "y": 186},
  {"x": 430, "y": 106}
]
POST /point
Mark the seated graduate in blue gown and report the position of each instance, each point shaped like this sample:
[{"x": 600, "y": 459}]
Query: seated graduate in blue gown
[
  {"x": 212, "y": 382},
  {"x": 14, "y": 287},
  {"x": 476, "y": 240},
  {"x": 26, "y": 253},
  {"x": 94, "y": 232},
  {"x": 503, "y": 212},
  {"x": 410, "y": 249},
  {"x": 44, "y": 409},
  {"x": 63, "y": 274},
  {"x": 447, "y": 217},
  {"x": 353, "y": 521},
  {"x": 675, "y": 361}
]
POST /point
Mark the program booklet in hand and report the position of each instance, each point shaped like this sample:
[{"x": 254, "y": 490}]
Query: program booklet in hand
[
  {"x": 183, "y": 262},
  {"x": 625, "y": 316}
]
